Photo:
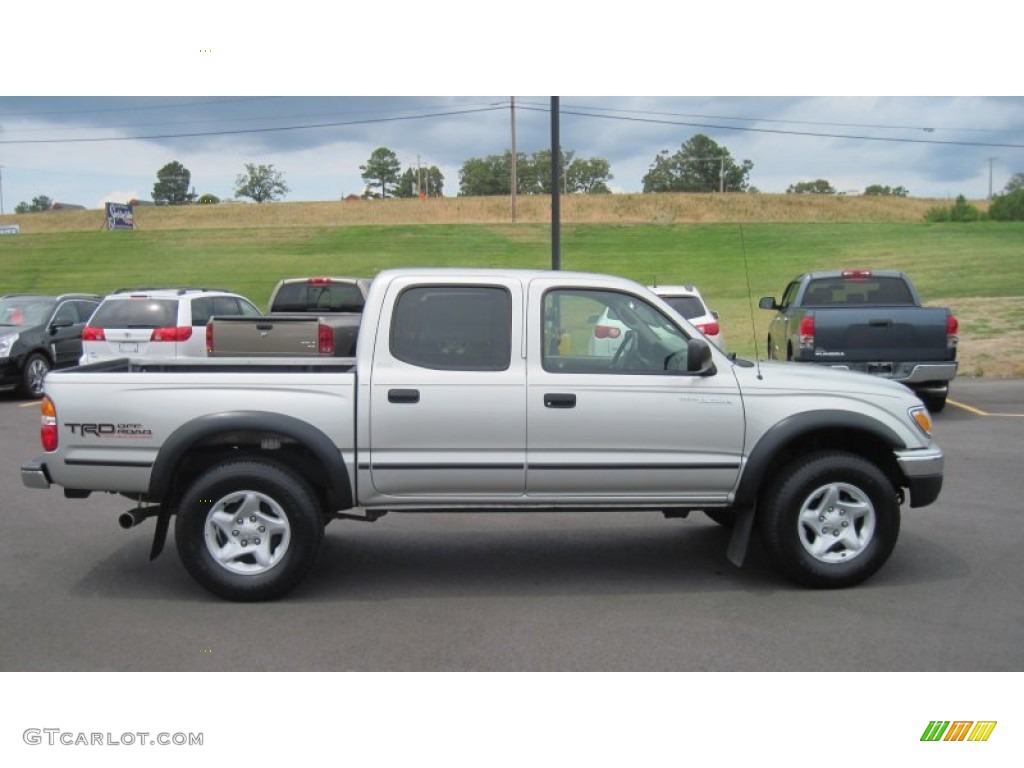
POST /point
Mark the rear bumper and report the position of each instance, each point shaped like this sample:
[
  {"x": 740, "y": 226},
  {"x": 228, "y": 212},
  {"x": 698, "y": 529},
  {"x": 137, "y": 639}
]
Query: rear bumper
[
  {"x": 922, "y": 471},
  {"x": 35, "y": 475},
  {"x": 904, "y": 373},
  {"x": 923, "y": 372}
]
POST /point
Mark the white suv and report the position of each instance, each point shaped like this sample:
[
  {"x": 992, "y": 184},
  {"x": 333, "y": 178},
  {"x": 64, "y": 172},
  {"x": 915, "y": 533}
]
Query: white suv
[
  {"x": 684, "y": 299},
  {"x": 157, "y": 323}
]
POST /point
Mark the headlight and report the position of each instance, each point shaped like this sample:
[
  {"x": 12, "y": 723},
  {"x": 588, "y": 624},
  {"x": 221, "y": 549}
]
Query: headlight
[
  {"x": 6, "y": 342},
  {"x": 920, "y": 416}
]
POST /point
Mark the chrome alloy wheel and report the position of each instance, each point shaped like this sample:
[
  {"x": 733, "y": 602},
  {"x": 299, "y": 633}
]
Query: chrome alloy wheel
[
  {"x": 247, "y": 532},
  {"x": 836, "y": 523},
  {"x": 35, "y": 372}
]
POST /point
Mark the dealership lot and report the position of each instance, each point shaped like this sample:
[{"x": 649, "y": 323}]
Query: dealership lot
[{"x": 573, "y": 591}]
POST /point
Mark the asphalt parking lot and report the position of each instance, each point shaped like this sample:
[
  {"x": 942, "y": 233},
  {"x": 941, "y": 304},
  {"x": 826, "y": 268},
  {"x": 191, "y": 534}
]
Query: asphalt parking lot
[{"x": 577, "y": 591}]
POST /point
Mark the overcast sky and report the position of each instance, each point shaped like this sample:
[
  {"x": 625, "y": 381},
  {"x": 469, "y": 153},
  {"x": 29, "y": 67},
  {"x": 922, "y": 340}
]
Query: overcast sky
[{"x": 195, "y": 89}]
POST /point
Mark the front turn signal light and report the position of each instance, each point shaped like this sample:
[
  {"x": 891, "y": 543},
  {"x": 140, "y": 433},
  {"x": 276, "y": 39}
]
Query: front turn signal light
[{"x": 922, "y": 418}]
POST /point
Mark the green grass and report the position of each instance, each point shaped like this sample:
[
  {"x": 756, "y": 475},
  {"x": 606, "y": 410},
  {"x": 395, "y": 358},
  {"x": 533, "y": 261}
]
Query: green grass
[{"x": 947, "y": 261}]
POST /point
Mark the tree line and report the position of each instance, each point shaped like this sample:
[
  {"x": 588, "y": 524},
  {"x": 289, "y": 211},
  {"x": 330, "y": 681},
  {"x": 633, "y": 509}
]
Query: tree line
[{"x": 699, "y": 165}]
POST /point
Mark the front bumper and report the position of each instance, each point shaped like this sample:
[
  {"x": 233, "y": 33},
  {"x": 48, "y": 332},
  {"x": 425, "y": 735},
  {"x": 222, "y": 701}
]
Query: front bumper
[
  {"x": 923, "y": 473},
  {"x": 35, "y": 475}
]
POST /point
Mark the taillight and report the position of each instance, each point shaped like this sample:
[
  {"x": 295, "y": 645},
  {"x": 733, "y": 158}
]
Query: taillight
[
  {"x": 325, "y": 339},
  {"x": 209, "y": 337},
  {"x": 856, "y": 274},
  {"x": 319, "y": 281},
  {"x": 952, "y": 331},
  {"x": 90, "y": 333},
  {"x": 48, "y": 428},
  {"x": 709, "y": 329},
  {"x": 807, "y": 333},
  {"x": 607, "y": 332},
  {"x": 181, "y": 333}
]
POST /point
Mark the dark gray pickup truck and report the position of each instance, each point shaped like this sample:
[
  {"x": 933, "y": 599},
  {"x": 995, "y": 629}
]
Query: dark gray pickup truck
[
  {"x": 308, "y": 316},
  {"x": 870, "y": 321}
]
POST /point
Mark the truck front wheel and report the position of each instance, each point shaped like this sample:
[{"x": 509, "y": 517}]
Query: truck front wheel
[
  {"x": 248, "y": 529},
  {"x": 830, "y": 520}
]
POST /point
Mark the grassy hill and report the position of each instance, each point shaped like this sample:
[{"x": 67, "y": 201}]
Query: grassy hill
[{"x": 974, "y": 268}]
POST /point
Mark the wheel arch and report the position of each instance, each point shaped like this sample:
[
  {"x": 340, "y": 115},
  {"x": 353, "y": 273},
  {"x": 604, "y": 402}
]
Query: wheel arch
[
  {"x": 817, "y": 431},
  {"x": 192, "y": 447}
]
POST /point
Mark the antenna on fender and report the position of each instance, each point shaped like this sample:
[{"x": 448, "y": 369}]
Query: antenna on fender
[{"x": 750, "y": 303}]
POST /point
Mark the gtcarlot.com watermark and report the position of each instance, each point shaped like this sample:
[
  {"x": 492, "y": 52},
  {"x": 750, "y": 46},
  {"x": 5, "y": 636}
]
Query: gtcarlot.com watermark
[{"x": 54, "y": 737}]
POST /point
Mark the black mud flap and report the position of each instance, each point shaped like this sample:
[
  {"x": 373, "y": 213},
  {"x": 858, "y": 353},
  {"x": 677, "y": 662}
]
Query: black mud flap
[
  {"x": 163, "y": 521},
  {"x": 740, "y": 540}
]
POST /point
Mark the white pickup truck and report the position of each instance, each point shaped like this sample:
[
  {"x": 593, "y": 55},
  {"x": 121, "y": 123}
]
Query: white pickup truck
[{"x": 474, "y": 390}]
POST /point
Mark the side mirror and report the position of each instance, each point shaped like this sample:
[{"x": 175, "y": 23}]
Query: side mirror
[
  {"x": 56, "y": 325},
  {"x": 767, "y": 302},
  {"x": 696, "y": 357}
]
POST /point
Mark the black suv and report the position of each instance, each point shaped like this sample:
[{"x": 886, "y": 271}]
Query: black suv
[{"x": 39, "y": 332}]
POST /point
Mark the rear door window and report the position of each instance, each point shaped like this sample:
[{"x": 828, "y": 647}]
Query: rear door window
[{"x": 458, "y": 328}]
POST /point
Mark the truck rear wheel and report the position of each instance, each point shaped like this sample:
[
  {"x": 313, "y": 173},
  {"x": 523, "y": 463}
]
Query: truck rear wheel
[
  {"x": 248, "y": 529},
  {"x": 830, "y": 520}
]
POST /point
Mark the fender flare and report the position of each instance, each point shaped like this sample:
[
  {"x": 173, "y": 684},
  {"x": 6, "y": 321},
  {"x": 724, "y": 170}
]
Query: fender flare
[
  {"x": 792, "y": 428},
  {"x": 188, "y": 434}
]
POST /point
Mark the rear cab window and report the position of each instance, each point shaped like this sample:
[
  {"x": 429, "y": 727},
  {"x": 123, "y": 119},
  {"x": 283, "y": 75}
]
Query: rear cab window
[
  {"x": 314, "y": 296},
  {"x": 844, "y": 292}
]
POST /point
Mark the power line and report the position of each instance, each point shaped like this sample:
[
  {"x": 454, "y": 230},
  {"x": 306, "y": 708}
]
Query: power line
[
  {"x": 139, "y": 107},
  {"x": 926, "y": 129},
  {"x": 239, "y": 131},
  {"x": 784, "y": 132},
  {"x": 249, "y": 119}
]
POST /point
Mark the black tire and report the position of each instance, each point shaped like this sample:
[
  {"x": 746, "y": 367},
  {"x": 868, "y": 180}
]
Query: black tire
[
  {"x": 935, "y": 403},
  {"x": 830, "y": 520},
  {"x": 271, "y": 545},
  {"x": 37, "y": 365}
]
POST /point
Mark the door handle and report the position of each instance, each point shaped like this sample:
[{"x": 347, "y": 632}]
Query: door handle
[
  {"x": 559, "y": 400},
  {"x": 403, "y": 395}
]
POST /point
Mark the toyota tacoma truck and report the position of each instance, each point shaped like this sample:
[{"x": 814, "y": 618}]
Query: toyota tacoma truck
[
  {"x": 466, "y": 394},
  {"x": 870, "y": 321},
  {"x": 308, "y": 316}
]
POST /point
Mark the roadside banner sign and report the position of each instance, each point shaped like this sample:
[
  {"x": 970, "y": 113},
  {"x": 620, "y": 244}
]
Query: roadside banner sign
[
  {"x": 9, "y": 229},
  {"x": 120, "y": 216}
]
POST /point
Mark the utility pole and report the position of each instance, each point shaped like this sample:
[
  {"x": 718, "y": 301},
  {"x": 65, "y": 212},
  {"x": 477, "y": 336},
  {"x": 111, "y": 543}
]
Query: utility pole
[
  {"x": 514, "y": 160},
  {"x": 990, "y": 161},
  {"x": 556, "y": 202},
  {"x": 1, "y": 190}
]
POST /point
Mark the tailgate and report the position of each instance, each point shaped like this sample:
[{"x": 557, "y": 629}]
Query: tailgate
[
  {"x": 880, "y": 334},
  {"x": 277, "y": 336}
]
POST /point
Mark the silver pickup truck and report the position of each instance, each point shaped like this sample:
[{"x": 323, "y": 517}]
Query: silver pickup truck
[{"x": 476, "y": 390}]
